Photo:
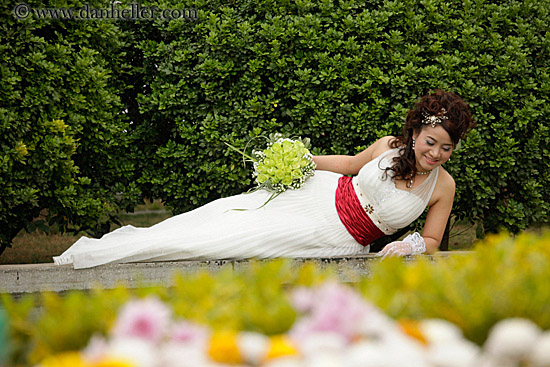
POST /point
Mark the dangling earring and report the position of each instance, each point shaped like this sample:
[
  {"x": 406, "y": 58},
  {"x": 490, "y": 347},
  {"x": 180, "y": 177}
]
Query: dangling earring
[{"x": 413, "y": 145}]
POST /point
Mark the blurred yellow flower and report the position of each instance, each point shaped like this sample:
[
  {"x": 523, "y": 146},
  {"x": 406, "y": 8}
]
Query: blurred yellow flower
[
  {"x": 412, "y": 329},
  {"x": 223, "y": 347},
  {"x": 111, "y": 362},
  {"x": 67, "y": 359},
  {"x": 281, "y": 345}
]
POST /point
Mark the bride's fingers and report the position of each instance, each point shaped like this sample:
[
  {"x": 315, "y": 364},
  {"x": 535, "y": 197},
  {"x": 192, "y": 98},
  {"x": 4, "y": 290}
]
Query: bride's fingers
[
  {"x": 396, "y": 250},
  {"x": 385, "y": 250},
  {"x": 393, "y": 251},
  {"x": 389, "y": 247}
]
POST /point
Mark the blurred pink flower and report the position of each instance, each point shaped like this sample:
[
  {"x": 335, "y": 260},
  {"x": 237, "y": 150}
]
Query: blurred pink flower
[
  {"x": 332, "y": 308},
  {"x": 188, "y": 332},
  {"x": 96, "y": 349},
  {"x": 302, "y": 299},
  {"x": 146, "y": 318}
]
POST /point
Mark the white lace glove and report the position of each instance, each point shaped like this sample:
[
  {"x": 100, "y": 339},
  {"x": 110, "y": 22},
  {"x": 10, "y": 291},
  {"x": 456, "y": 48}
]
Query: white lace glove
[{"x": 413, "y": 244}]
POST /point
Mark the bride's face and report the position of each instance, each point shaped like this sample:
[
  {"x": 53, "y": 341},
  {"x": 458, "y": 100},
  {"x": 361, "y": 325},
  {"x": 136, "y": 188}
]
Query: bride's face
[{"x": 433, "y": 147}]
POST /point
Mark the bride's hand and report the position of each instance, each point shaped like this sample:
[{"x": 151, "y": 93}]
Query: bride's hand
[
  {"x": 413, "y": 244},
  {"x": 396, "y": 248}
]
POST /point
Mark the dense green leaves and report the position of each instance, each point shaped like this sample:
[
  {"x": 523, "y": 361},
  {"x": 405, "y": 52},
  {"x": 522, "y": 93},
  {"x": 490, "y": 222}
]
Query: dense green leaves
[
  {"x": 149, "y": 104},
  {"x": 344, "y": 74},
  {"x": 61, "y": 126}
]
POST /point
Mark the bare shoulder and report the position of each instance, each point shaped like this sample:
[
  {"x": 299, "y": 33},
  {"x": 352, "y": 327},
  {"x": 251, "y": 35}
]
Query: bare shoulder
[
  {"x": 445, "y": 179},
  {"x": 367, "y": 155},
  {"x": 444, "y": 188},
  {"x": 382, "y": 145}
]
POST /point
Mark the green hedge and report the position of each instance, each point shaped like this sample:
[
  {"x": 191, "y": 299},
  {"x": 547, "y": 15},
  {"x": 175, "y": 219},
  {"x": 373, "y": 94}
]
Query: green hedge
[
  {"x": 344, "y": 74},
  {"x": 61, "y": 124},
  {"x": 150, "y": 103}
]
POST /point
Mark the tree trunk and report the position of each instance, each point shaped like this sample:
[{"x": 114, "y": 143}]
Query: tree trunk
[{"x": 444, "y": 246}]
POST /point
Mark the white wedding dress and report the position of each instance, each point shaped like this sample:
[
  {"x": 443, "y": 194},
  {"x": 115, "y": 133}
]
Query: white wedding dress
[{"x": 298, "y": 223}]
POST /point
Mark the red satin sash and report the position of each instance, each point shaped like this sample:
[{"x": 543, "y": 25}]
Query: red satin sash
[{"x": 352, "y": 214}]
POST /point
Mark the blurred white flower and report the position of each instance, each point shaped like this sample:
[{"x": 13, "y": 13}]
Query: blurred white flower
[
  {"x": 177, "y": 354},
  {"x": 384, "y": 354},
  {"x": 376, "y": 325},
  {"x": 439, "y": 331},
  {"x": 285, "y": 362},
  {"x": 486, "y": 360},
  {"x": 138, "y": 351},
  {"x": 456, "y": 353},
  {"x": 325, "y": 359},
  {"x": 366, "y": 354},
  {"x": 539, "y": 356},
  {"x": 402, "y": 347},
  {"x": 512, "y": 339},
  {"x": 253, "y": 347},
  {"x": 338, "y": 329},
  {"x": 320, "y": 342}
]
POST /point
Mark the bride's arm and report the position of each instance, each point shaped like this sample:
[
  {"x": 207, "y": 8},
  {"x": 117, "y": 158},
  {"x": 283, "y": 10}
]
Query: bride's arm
[
  {"x": 348, "y": 164},
  {"x": 335, "y": 163},
  {"x": 434, "y": 227},
  {"x": 438, "y": 214}
]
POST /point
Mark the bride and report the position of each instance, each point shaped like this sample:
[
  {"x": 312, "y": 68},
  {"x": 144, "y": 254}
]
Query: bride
[{"x": 393, "y": 181}]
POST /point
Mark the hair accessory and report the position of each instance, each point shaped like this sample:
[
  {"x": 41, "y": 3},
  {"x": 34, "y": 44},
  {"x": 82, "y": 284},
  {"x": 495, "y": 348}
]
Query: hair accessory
[{"x": 434, "y": 119}]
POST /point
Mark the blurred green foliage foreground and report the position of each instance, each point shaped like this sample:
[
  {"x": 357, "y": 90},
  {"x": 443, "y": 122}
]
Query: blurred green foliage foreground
[{"x": 503, "y": 277}]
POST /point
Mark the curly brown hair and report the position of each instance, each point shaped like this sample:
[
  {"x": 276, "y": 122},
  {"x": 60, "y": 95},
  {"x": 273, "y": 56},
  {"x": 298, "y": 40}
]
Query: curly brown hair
[{"x": 459, "y": 121}]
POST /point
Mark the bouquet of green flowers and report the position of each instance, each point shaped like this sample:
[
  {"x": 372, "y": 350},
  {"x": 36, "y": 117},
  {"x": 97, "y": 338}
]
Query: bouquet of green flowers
[{"x": 284, "y": 164}]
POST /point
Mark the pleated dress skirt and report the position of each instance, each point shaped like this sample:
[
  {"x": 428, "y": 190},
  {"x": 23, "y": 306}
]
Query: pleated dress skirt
[{"x": 296, "y": 224}]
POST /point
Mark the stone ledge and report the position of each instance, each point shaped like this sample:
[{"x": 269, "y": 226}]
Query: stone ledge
[{"x": 29, "y": 278}]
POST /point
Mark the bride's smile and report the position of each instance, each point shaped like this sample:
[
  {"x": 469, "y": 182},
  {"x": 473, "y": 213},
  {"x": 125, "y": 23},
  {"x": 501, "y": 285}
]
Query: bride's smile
[{"x": 433, "y": 147}]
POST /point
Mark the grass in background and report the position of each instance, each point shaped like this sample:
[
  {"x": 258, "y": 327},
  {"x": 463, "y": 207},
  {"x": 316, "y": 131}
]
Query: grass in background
[
  {"x": 39, "y": 247},
  {"x": 462, "y": 236}
]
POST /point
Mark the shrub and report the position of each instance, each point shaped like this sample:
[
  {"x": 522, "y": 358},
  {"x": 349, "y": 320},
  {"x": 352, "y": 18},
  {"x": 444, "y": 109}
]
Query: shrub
[
  {"x": 38, "y": 173},
  {"x": 61, "y": 122},
  {"x": 151, "y": 103},
  {"x": 344, "y": 74}
]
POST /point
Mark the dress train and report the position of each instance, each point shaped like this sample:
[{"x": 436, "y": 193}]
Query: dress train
[{"x": 298, "y": 223}]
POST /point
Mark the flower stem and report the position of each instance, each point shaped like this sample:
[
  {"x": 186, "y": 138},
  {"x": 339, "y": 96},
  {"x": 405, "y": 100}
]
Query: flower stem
[{"x": 240, "y": 151}]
